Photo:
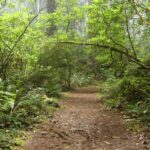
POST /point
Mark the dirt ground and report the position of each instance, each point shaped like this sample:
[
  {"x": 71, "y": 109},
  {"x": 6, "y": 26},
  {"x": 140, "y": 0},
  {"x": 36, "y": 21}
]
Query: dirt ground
[{"x": 84, "y": 123}]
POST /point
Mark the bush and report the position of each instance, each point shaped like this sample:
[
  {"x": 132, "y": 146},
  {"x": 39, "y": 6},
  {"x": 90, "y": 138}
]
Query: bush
[
  {"x": 24, "y": 111},
  {"x": 46, "y": 78},
  {"x": 140, "y": 110},
  {"x": 132, "y": 95},
  {"x": 134, "y": 89},
  {"x": 18, "y": 112},
  {"x": 10, "y": 139},
  {"x": 81, "y": 80}
]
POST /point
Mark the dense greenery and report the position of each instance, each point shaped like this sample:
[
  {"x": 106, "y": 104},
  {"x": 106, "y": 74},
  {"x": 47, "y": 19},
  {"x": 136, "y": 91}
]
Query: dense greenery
[{"x": 78, "y": 43}]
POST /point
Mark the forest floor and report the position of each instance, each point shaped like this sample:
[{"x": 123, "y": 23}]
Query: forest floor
[{"x": 84, "y": 123}]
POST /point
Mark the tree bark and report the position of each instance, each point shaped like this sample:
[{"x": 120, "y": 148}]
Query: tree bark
[{"x": 51, "y": 7}]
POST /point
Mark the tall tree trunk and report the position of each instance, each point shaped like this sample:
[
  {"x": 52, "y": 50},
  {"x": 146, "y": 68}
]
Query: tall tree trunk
[{"x": 51, "y": 7}]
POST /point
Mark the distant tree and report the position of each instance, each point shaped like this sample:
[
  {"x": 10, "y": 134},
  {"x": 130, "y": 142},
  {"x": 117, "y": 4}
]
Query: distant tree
[{"x": 51, "y": 7}]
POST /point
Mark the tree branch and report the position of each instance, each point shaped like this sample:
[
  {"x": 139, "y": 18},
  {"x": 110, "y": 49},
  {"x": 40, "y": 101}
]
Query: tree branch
[
  {"x": 134, "y": 5},
  {"x": 17, "y": 41},
  {"x": 3, "y": 4},
  {"x": 130, "y": 57},
  {"x": 111, "y": 38},
  {"x": 129, "y": 35}
]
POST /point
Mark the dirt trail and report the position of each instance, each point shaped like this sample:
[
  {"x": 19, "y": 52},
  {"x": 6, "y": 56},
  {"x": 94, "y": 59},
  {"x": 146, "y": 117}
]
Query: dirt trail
[{"x": 85, "y": 124}]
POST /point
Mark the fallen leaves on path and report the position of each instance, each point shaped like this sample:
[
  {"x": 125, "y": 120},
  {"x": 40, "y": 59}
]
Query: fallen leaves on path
[{"x": 85, "y": 124}]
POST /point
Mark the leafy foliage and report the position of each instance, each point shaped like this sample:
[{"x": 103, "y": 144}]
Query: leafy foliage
[
  {"x": 43, "y": 54},
  {"x": 131, "y": 94}
]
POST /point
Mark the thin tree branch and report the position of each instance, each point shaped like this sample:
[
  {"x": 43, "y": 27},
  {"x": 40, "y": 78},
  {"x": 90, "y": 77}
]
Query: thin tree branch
[
  {"x": 17, "y": 41},
  {"x": 134, "y": 5},
  {"x": 3, "y": 4},
  {"x": 129, "y": 35}
]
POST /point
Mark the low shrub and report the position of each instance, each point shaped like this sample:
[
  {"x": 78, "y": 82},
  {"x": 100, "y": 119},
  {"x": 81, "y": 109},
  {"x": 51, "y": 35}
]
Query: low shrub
[
  {"x": 22, "y": 111},
  {"x": 81, "y": 80},
  {"x": 132, "y": 95},
  {"x": 11, "y": 139}
]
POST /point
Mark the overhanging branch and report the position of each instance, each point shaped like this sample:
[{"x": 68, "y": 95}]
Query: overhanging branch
[{"x": 130, "y": 57}]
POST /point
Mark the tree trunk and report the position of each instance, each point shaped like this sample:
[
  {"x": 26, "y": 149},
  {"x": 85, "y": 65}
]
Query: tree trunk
[{"x": 51, "y": 7}]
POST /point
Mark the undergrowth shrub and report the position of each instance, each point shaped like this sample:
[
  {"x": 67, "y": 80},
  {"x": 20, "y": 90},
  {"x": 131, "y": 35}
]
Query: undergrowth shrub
[
  {"x": 134, "y": 89},
  {"x": 22, "y": 106},
  {"x": 30, "y": 108},
  {"x": 10, "y": 138},
  {"x": 20, "y": 113},
  {"x": 140, "y": 110},
  {"x": 81, "y": 80},
  {"x": 25, "y": 110},
  {"x": 131, "y": 93},
  {"x": 46, "y": 78}
]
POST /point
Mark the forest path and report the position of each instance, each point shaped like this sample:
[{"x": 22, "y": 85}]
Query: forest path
[{"x": 85, "y": 124}]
